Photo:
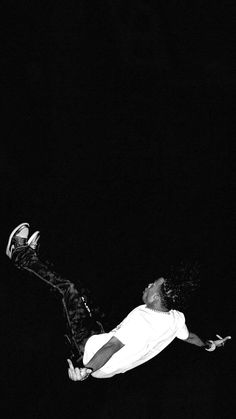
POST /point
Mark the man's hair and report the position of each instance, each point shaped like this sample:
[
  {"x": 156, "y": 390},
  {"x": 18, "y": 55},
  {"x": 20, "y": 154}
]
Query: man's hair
[{"x": 179, "y": 284}]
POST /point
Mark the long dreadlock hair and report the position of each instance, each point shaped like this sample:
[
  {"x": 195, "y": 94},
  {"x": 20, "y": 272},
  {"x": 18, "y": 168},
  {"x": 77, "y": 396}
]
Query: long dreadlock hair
[{"x": 179, "y": 284}]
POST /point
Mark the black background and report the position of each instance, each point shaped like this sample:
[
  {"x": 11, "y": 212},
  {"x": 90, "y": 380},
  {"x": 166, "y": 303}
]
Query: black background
[{"x": 116, "y": 145}]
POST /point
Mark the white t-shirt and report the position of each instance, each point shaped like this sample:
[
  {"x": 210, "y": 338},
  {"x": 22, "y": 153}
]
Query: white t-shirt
[{"x": 144, "y": 333}]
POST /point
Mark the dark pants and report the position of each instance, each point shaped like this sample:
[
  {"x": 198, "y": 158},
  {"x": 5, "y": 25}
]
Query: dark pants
[{"x": 82, "y": 317}]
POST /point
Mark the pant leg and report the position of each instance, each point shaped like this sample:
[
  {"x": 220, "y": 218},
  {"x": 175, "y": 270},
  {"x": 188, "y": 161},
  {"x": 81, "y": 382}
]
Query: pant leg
[{"x": 82, "y": 318}]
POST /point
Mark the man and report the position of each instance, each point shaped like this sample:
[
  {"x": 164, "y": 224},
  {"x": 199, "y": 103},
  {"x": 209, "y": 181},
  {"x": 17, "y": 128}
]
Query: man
[{"x": 144, "y": 333}]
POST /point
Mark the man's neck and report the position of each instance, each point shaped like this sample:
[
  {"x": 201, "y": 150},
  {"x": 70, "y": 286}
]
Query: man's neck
[{"x": 156, "y": 307}]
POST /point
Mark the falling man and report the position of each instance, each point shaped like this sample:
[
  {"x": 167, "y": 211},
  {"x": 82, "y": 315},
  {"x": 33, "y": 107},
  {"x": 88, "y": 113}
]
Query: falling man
[{"x": 143, "y": 334}]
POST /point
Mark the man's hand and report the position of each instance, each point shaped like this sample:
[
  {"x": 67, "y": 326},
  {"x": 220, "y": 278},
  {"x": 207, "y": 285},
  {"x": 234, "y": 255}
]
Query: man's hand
[
  {"x": 78, "y": 374},
  {"x": 220, "y": 341},
  {"x": 216, "y": 343}
]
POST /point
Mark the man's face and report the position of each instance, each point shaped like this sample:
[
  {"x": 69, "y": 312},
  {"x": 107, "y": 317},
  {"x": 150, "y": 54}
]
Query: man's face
[{"x": 152, "y": 290}]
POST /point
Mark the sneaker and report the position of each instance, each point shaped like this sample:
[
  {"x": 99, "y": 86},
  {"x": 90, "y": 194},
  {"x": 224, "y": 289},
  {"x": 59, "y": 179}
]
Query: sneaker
[
  {"x": 33, "y": 240},
  {"x": 17, "y": 238}
]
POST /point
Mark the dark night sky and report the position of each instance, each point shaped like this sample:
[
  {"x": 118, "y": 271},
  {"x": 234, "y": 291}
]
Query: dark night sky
[{"x": 117, "y": 123}]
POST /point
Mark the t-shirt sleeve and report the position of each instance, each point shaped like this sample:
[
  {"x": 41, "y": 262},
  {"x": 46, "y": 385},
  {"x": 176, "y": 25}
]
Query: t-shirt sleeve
[
  {"x": 128, "y": 330},
  {"x": 182, "y": 332}
]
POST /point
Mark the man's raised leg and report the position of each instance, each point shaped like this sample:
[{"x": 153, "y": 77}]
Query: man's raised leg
[{"x": 82, "y": 318}]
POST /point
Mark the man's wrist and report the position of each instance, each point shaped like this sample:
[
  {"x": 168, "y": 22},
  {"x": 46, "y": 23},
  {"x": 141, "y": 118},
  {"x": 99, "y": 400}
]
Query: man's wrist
[
  {"x": 85, "y": 372},
  {"x": 209, "y": 345},
  {"x": 89, "y": 368}
]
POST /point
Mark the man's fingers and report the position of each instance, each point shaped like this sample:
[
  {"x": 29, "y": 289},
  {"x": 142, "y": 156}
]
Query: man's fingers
[
  {"x": 221, "y": 341},
  {"x": 74, "y": 373},
  {"x": 219, "y": 337},
  {"x": 70, "y": 374},
  {"x": 71, "y": 371},
  {"x": 224, "y": 339},
  {"x": 77, "y": 373},
  {"x": 70, "y": 363}
]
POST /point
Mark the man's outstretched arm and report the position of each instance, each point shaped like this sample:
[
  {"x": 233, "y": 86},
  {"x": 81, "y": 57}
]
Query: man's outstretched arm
[
  {"x": 195, "y": 340},
  {"x": 99, "y": 359},
  {"x": 209, "y": 345},
  {"x": 104, "y": 354}
]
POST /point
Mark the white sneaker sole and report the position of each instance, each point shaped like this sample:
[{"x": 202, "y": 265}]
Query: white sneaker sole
[
  {"x": 19, "y": 227},
  {"x": 31, "y": 242}
]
